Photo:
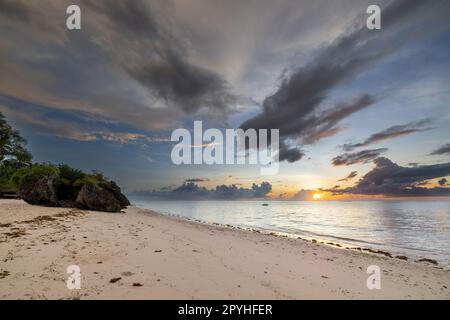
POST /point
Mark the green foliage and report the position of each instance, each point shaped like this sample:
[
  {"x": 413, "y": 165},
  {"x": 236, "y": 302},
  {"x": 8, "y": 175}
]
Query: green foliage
[
  {"x": 12, "y": 145},
  {"x": 33, "y": 173},
  {"x": 13, "y": 155},
  {"x": 6, "y": 185},
  {"x": 70, "y": 175},
  {"x": 17, "y": 170}
]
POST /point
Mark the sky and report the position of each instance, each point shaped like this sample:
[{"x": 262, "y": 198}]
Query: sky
[{"x": 362, "y": 114}]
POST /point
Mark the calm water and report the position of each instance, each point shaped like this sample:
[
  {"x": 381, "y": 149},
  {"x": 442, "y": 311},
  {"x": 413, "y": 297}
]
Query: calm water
[{"x": 412, "y": 228}]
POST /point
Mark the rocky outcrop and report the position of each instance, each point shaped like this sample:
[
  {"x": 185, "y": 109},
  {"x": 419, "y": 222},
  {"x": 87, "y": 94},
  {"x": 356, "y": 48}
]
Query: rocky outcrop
[
  {"x": 115, "y": 190},
  {"x": 107, "y": 199},
  {"x": 42, "y": 191},
  {"x": 48, "y": 191}
]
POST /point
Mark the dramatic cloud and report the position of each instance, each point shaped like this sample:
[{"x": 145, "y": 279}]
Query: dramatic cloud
[
  {"x": 14, "y": 8},
  {"x": 445, "y": 149},
  {"x": 159, "y": 59},
  {"x": 364, "y": 156},
  {"x": 295, "y": 108},
  {"x": 390, "y": 179},
  {"x": 197, "y": 180},
  {"x": 390, "y": 133},
  {"x": 352, "y": 175},
  {"x": 191, "y": 191},
  {"x": 73, "y": 125},
  {"x": 443, "y": 182},
  {"x": 132, "y": 52},
  {"x": 289, "y": 154}
]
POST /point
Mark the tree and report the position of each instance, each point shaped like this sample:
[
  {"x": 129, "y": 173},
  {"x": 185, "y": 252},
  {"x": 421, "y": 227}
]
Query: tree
[
  {"x": 13, "y": 155},
  {"x": 12, "y": 146}
]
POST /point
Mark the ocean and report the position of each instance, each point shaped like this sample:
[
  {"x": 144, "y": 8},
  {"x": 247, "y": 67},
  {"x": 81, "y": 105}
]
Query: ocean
[{"x": 417, "y": 229}]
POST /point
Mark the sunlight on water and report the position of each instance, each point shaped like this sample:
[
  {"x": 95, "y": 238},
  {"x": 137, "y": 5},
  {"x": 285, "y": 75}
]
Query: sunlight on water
[{"x": 412, "y": 228}]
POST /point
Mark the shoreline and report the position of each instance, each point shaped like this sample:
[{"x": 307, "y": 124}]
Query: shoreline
[
  {"x": 157, "y": 256},
  {"x": 444, "y": 265}
]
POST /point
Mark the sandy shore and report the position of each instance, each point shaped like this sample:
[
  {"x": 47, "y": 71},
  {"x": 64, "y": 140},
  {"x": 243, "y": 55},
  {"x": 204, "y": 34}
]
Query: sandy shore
[{"x": 151, "y": 256}]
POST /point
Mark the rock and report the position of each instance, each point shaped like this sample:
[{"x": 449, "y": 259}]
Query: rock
[
  {"x": 115, "y": 189},
  {"x": 42, "y": 191},
  {"x": 50, "y": 190},
  {"x": 92, "y": 197}
]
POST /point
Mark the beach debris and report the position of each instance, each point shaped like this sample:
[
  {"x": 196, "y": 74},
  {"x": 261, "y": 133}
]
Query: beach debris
[
  {"x": 114, "y": 280},
  {"x": 158, "y": 251},
  {"x": 137, "y": 284},
  {"x": 401, "y": 257},
  {"x": 325, "y": 277},
  {"x": 127, "y": 273},
  {"x": 16, "y": 233},
  {"x": 4, "y": 274},
  {"x": 265, "y": 204},
  {"x": 428, "y": 261},
  {"x": 385, "y": 253}
]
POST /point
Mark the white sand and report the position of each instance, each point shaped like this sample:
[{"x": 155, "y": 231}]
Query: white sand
[{"x": 196, "y": 261}]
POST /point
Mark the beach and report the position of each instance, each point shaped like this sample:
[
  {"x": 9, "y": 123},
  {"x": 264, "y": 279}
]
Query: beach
[{"x": 141, "y": 254}]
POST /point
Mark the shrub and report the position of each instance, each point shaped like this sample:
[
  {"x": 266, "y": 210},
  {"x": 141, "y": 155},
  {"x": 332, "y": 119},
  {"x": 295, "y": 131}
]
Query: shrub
[
  {"x": 69, "y": 175},
  {"x": 32, "y": 173}
]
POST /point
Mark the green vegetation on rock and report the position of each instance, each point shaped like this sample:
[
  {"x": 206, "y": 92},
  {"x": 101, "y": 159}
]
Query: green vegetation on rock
[{"x": 49, "y": 184}]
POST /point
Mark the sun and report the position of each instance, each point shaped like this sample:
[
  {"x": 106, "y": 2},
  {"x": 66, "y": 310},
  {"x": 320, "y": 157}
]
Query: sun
[{"x": 317, "y": 196}]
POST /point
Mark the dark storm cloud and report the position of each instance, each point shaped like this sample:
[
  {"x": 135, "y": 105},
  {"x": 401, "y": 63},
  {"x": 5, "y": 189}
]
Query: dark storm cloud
[
  {"x": 295, "y": 107},
  {"x": 32, "y": 15},
  {"x": 183, "y": 85},
  {"x": 133, "y": 17},
  {"x": 390, "y": 133},
  {"x": 352, "y": 175},
  {"x": 364, "y": 156},
  {"x": 443, "y": 182},
  {"x": 14, "y": 8},
  {"x": 129, "y": 63},
  {"x": 390, "y": 179},
  {"x": 445, "y": 149},
  {"x": 191, "y": 191},
  {"x": 160, "y": 58},
  {"x": 197, "y": 180},
  {"x": 289, "y": 154}
]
